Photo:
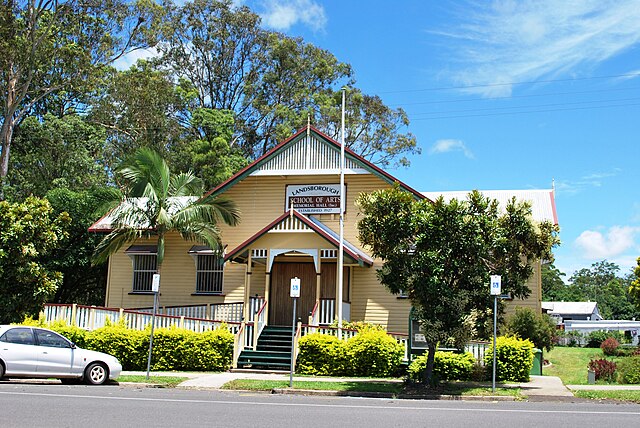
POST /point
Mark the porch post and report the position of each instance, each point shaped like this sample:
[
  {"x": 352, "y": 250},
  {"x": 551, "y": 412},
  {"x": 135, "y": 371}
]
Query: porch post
[
  {"x": 318, "y": 287},
  {"x": 267, "y": 285},
  {"x": 247, "y": 289}
]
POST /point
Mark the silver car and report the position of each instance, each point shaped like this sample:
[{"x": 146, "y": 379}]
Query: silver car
[{"x": 38, "y": 352}]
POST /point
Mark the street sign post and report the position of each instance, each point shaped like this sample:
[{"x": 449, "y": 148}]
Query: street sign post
[
  {"x": 495, "y": 287},
  {"x": 294, "y": 292},
  {"x": 155, "y": 288}
]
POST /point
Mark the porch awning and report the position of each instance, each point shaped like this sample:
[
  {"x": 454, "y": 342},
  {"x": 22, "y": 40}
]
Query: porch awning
[{"x": 303, "y": 224}]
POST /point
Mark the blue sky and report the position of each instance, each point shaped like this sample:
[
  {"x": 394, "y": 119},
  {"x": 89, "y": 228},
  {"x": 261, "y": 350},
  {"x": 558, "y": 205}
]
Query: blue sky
[{"x": 504, "y": 95}]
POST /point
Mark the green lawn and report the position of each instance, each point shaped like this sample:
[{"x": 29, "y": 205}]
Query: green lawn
[
  {"x": 395, "y": 388},
  {"x": 167, "y": 381},
  {"x": 622, "y": 395},
  {"x": 570, "y": 364}
]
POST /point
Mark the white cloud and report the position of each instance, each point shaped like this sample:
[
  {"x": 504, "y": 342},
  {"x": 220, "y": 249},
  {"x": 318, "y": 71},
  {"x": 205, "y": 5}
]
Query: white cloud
[
  {"x": 596, "y": 245},
  {"x": 507, "y": 41},
  {"x": 125, "y": 62},
  {"x": 585, "y": 182},
  {"x": 444, "y": 146},
  {"x": 283, "y": 14}
]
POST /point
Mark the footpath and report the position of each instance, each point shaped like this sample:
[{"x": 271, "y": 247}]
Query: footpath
[{"x": 541, "y": 388}]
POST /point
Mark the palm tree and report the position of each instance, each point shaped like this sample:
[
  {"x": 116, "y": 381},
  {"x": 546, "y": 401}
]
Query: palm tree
[{"x": 157, "y": 202}]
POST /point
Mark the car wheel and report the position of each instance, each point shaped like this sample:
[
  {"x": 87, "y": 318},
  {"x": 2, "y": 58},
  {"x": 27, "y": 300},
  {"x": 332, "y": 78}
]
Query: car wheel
[
  {"x": 96, "y": 374},
  {"x": 1, "y": 370}
]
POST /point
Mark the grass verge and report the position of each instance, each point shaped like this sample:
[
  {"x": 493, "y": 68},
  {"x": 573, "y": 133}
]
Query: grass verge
[
  {"x": 166, "y": 381},
  {"x": 386, "y": 387},
  {"x": 621, "y": 395},
  {"x": 570, "y": 364}
]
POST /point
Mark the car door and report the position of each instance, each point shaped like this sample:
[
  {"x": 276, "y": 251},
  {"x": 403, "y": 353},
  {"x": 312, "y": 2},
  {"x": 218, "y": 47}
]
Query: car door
[
  {"x": 18, "y": 351},
  {"x": 55, "y": 354}
]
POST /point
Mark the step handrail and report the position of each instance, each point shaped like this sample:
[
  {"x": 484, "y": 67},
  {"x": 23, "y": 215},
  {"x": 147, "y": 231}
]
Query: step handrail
[
  {"x": 313, "y": 318},
  {"x": 294, "y": 352},
  {"x": 238, "y": 344},
  {"x": 259, "y": 321}
]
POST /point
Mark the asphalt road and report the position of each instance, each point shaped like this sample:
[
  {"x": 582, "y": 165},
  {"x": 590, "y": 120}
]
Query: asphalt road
[{"x": 55, "y": 405}]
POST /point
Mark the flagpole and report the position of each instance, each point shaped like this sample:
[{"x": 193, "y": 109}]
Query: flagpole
[{"x": 342, "y": 206}]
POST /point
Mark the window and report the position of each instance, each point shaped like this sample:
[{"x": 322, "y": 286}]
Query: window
[
  {"x": 49, "y": 338},
  {"x": 209, "y": 270},
  {"x": 144, "y": 266},
  {"x": 21, "y": 336}
]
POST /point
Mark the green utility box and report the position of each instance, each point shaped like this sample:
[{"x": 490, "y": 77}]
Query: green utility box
[{"x": 536, "y": 370}]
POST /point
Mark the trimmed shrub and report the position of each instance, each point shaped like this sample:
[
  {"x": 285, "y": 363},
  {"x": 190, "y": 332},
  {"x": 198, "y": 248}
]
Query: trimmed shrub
[
  {"x": 514, "y": 359},
  {"x": 628, "y": 370},
  {"x": 610, "y": 346},
  {"x": 130, "y": 347},
  {"x": 321, "y": 355},
  {"x": 373, "y": 352},
  {"x": 446, "y": 366},
  {"x": 604, "y": 369},
  {"x": 538, "y": 328},
  {"x": 180, "y": 349}
]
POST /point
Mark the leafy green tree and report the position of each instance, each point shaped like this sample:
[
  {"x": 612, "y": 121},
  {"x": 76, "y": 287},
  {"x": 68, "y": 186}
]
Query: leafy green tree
[
  {"x": 29, "y": 231},
  {"x": 141, "y": 107},
  {"x": 60, "y": 48},
  {"x": 441, "y": 254},
  {"x": 634, "y": 286},
  {"x": 538, "y": 328},
  {"x": 600, "y": 283},
  {"x": 372, "y": 129},
  {"x": 169, "y": 203},
  {"x": 83, "y": 283},
  {"x": 56, "y": 152},
  {"x": 207, "y": 151}
]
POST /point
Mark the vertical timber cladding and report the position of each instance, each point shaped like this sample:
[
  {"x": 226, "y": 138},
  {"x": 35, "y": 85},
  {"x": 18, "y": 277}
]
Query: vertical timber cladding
[
  {"x": 280, "y": 304},
  {"x": 328, "y": 282}
]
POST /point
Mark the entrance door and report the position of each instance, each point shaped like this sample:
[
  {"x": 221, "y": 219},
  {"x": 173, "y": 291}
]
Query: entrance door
[{"x": 280, "y": 304}]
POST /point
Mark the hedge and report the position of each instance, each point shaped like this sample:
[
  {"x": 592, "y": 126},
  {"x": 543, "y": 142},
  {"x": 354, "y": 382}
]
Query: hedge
[
  {"x": 173, "y": 348},
  {"x": 371, "y": 352},
  {"x": 446, "y": 366},
  {"x": 514, "y": 359}
]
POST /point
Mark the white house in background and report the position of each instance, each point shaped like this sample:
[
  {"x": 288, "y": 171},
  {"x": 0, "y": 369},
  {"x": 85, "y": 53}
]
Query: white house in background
[
  {"x": 631, "y": 329},
  {"x": 572, "y": 311}
]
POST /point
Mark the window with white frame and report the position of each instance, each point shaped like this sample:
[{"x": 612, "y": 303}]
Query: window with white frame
[
  {"x": 144, "y": 266},
  {"x": 145, "y": 263},
  {"x": 209, "y": 270}
]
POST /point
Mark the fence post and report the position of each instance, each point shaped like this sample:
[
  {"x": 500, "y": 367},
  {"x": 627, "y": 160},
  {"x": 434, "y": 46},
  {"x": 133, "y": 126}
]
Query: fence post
[
  {"x": 181, "y": 321},
  {"x": 207, "y": 315},
  {"x": 92, "y": 317},
  {"x": 73, "y": 321}
]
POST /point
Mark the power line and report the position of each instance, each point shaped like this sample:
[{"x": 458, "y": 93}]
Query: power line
[
  {"x": 509, "y": 97},
  {"x": 524, "y": 112},
  {"x": 493, "y": 85},
  {"x": 527, "y": 107}
]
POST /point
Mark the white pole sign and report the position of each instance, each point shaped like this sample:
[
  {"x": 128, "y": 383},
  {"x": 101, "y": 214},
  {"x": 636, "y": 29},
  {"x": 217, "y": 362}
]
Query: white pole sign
[
  {"x": 496, "y": 283},
  {"x": 155, "y": 283},
  {"x": 295, "y": 287}
]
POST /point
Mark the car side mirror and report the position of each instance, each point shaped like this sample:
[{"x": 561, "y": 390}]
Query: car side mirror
[{"x": 72, "y": 345}]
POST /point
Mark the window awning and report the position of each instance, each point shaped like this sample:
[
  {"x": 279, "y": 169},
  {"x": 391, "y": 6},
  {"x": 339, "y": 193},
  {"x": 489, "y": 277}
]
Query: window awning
[
  {"x": 142, "y": 250},
  {"x": 204, "y": 250}
]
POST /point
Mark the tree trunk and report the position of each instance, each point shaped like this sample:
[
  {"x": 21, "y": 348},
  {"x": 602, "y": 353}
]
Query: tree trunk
[{"x": 428, "y": 372}]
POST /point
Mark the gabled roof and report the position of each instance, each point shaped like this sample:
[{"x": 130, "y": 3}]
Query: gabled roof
[
  {"x": 310, "y": 224},
  {"x": 543, "y": 203},
  {"x": 350, "y": 156}
]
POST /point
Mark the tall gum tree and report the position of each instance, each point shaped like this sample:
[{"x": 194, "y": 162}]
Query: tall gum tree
[
  {"x": 49, "y": 47},
  {"x": 441, "y": 254}
]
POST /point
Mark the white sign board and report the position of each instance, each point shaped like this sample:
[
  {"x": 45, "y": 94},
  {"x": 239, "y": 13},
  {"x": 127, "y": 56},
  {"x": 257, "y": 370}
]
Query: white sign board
[
  {"x": 313, "y": 198},
  {"x": 155, "y": 283},
  {"x": 496, "y": 285},
  {"x": 295, "y": 287}
]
